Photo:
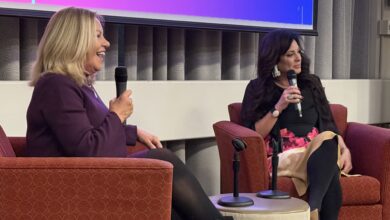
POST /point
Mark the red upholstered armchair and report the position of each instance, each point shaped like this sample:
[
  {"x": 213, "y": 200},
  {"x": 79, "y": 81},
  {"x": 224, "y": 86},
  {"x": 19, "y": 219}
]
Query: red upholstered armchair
[
  {"x": 365, "y": 197},
  {"x": 81, "y": 188}
]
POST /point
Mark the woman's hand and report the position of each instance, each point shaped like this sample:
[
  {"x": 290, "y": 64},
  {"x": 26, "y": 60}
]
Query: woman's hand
[
  {"x": 291, "y": 94},
  {"x": 151, "y": 141},
  {"x": 122, "y": 106},
  {"x": 345, "y": 157}
]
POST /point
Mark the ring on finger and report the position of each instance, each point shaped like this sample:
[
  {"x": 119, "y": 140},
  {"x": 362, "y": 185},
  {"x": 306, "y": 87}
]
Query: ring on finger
[{"x": 290, "y": 96}]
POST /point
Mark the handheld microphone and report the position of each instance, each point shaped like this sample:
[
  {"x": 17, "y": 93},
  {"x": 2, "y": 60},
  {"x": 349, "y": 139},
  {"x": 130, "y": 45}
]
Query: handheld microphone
[
  {"x": 120, "y": 80},
  {"x": 292, "y": 80}
]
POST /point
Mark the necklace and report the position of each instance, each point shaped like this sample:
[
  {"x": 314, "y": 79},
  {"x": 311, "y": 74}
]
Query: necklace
[
  {"x": 90, "y": 86},
  {"x": 281, "y": 85},
  {"x": 89, "y": 83},
  {"x": 94, "y": 92}
]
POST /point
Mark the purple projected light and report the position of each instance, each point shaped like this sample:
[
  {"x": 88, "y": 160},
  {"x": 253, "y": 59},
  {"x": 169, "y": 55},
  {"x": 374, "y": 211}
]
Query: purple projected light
[
  {"x": 21, "y": 1},
  {"x": 296, "y": 12},
  {"x": 261, "y": 13}
]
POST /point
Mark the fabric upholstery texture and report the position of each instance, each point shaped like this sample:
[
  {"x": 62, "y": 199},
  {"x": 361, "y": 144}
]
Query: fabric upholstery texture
[
  {"x": 364, "y": 197},
  {"x": 83, "y": 188}
]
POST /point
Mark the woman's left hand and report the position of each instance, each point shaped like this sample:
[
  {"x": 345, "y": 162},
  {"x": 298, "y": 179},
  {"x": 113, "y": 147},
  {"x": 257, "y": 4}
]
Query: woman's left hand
[
  {"x": 150, "y": 140},
  {"x": 345, "y": 157}
]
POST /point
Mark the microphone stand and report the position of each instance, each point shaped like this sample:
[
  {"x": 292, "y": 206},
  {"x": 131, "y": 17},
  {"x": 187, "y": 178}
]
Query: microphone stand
[
  {"x": 235, "y": 200},
  {"x": 273, "y": 193}
]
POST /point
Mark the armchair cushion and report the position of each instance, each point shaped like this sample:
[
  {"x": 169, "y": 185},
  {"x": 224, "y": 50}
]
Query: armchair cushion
[{"x": 361, "y": 190}]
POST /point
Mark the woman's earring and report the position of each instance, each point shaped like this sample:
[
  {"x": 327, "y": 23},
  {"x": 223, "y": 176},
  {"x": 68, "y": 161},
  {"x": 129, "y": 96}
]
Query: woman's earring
[{"x": 276, "y": 72}]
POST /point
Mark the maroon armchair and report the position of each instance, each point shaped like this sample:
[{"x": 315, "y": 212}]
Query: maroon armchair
[
  {"x": 81, "y": 188},
  {"x": 364, "y": 197}
]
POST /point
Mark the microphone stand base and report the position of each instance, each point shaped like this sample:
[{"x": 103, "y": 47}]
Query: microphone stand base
[
  {"x": 231, "y": 201},
  {"x": 273, "y": 194}
]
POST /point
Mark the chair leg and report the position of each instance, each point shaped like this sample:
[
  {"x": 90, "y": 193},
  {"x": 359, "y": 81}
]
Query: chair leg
[{"x": 314, "y": 215}]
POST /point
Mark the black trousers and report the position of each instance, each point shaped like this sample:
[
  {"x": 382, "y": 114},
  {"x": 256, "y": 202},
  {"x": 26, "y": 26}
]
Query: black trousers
[
  {"x": 189, "y": 201},
  {"x": 324, "y": 189}
]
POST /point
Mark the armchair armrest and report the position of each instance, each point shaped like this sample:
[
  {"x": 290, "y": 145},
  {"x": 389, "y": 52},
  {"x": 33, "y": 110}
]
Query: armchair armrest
[
  {"x": 370, "y": 149},
  {"x": 139, "y": 146},
  {"x": 19, "y": 144},
  {"x": 253, "y": 173},
  {"x": 85, "y": 188}
]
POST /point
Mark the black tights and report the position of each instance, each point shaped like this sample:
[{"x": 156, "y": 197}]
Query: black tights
[
  {"x": 189, "y": 201},
  {"x": 323, "y": 176}
]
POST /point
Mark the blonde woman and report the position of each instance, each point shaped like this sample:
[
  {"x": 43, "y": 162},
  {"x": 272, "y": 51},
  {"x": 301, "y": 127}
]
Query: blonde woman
[{"x": 66, "y": 117}]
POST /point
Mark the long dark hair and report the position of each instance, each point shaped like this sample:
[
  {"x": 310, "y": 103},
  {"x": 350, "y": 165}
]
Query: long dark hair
[{"x": 273, "y": 45}]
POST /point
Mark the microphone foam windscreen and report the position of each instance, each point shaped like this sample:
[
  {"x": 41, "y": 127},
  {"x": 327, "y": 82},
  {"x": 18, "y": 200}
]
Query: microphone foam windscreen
[
  {"x": 121, "y": 74},
  {"x": 291, "y": 74}
]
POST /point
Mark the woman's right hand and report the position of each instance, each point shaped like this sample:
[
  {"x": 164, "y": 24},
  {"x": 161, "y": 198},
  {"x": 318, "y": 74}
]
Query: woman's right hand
[
  {"x": 122, "y": 106},
  {"x": 291, "y": 94}
]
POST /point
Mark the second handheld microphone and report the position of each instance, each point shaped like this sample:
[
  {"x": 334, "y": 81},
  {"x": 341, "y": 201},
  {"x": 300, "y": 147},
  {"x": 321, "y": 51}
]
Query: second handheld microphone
[{"x": 292, "y": 80}]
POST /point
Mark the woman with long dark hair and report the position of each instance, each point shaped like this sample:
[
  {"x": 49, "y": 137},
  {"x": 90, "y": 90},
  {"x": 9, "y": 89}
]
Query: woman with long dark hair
[{"x": 311, "y": 145}]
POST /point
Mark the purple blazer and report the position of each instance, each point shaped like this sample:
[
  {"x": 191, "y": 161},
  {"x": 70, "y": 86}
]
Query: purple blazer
[{"x": 64, "y": 119}]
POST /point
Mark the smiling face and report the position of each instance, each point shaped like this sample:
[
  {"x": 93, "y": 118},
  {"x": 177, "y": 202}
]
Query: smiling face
[
  {"x": 291, "y": 60},
  {"x": 95, "y": 56}
]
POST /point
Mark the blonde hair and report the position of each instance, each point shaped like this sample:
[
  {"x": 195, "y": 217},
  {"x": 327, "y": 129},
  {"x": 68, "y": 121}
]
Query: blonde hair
[{"x": 63, "y": 49}]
